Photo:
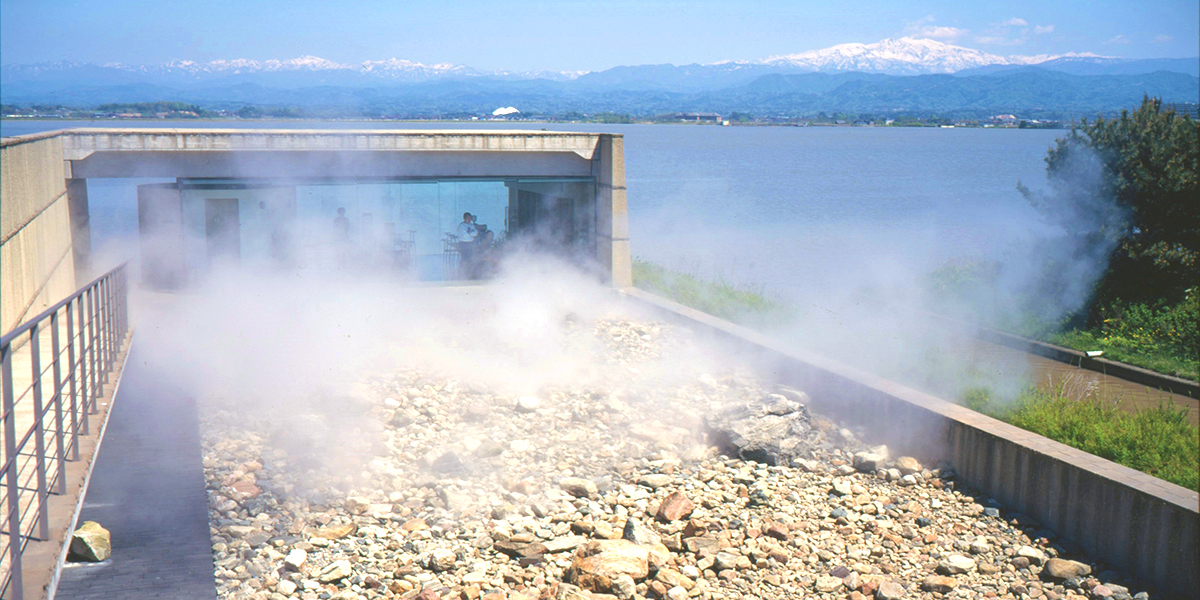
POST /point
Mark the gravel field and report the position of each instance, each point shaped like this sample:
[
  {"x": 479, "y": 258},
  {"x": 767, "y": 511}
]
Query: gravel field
[{"x": 654, "y": 472}]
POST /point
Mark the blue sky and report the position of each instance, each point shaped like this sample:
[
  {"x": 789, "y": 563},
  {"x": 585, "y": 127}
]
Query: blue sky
[{"x": 573, "y": 35}]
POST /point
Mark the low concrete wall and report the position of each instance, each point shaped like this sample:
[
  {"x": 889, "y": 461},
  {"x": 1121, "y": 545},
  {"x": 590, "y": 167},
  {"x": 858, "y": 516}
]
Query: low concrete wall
[
  {"x": 1138, "y": 523},
  {"x": 36, "y": 251}
]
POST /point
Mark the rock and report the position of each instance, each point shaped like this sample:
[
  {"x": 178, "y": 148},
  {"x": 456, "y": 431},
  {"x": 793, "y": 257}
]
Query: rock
[
  {"x": 980, "y": 546},
  {"x": 956, "y": 564},
  {"x": 563, "y": 544},
  {"x": 489, "y": 449},
  {"x": 285, "y": 587},
  {"x": 337, "y": 532},
  {"x": 908, "y": 465},
  {"x": 580, "y": 488},
  {"x": 889, "y": 590},
  {"x": 257, "y": 538},
  {"x": 778, "y": 532},
  {"x": 677, "y": 593},
  {"x": 441, "y": 559},
  {"x": 1059, "y": 568},
  {"x": 655, "y": 480},
  {"x": 528, "y": 404},
  {"x": 869, "y": 462},
  {"x": 729, "y": 560},
  {"x": 295, "y": 559},
  {"x": 1033, "y": 555},
  {"x": 1101, "y": 591},
  {"x": 357, "y": 505},
  {"x": 674, "y": 507},
  {"x": 520, "y": 549},
  {"x": 827, "y": 583},
  {"x": 623, "y": 587},
  {"x": 939, "y": 584},
  {"x": 672, "y": 578},
  {"x": 639, "y": 534},
  {"x": 842, "y": 487},
  {"x": 90, "y": 543},
  {"x": 771, "y": 432},
  {"x": 448, "y": 463},
  {"x": 597, "y": 563},
  {"x": 335, "y": 571}
]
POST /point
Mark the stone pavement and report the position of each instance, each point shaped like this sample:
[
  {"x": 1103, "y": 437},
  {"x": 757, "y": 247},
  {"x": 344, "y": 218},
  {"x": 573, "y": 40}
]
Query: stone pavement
[{"x": 148, "y": 490}]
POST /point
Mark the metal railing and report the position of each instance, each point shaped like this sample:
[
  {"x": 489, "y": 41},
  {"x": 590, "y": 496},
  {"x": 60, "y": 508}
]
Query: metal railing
[{"x": 49, "y": 397}]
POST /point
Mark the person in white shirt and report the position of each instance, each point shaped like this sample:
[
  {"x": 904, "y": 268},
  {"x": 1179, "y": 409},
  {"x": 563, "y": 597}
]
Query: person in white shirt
[
  {"x": 466, "y": 234},
  {"x": 466, "y": 230}
]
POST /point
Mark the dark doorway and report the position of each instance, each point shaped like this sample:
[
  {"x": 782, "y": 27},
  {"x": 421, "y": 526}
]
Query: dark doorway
[{"x": 222, "y": 229}]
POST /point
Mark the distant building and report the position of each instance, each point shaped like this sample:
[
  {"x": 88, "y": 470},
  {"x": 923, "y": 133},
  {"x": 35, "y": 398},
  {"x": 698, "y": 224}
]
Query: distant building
[{"x": 699, "y": 117}]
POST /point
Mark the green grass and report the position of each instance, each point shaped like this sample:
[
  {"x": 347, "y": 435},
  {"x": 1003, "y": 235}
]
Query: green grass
[
  {"x": 717, "y": 298},
  {"x": 1159, "y": 441},
  {"x": 1165, "y": 339}
]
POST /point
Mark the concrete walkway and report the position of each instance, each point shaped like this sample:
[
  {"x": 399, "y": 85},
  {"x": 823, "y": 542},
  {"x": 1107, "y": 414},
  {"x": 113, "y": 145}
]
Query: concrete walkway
[{"x": 148, "y": 490}]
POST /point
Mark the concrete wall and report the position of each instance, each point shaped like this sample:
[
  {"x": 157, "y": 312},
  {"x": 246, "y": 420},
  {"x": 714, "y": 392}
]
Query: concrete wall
[
  {"x": 1138, "y": 523},
  {"x": 612, "y": 211},
  {"x": 37, "y": 263}
]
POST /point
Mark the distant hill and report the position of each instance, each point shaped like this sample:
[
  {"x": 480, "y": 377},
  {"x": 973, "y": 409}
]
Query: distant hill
[{"x": 886, "y": 77}]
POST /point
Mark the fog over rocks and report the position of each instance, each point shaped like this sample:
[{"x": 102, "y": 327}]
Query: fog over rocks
[{"x": 636, "y": 479}]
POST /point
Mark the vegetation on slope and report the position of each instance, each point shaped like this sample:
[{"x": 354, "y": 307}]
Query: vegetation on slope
[{"x": 1159, "y": 441}]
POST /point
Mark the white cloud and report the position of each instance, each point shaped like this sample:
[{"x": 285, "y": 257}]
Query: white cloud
[
  {"x": 1162, "y": 39},
  {"x": 1015, "y": 22},
  {"x": 1118, "y": 40},
  {"x": 925, "y": 28},
  {"x": 1042, "y": 29},
  {"x": 943, "y": 33}
]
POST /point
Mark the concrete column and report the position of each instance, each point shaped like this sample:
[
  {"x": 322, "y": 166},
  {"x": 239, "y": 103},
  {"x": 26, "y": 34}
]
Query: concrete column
[
  {"x": 160, "y": 230},
  {"x": 81, "y": 230},
  {"x": 612, "y": 212}
]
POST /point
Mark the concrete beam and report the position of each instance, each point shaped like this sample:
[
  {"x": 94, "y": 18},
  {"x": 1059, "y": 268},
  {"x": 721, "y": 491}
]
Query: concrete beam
[
  {"x": 81, "y": 143},
  {"x": 320, "y": 164}
]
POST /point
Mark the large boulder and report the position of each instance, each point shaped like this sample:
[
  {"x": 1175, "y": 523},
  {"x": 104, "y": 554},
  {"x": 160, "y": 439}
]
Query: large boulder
[
  {"x": 772, "y": 431},
  {"x": 91, "y": 543},
  {"x": 598, "y": 563}
]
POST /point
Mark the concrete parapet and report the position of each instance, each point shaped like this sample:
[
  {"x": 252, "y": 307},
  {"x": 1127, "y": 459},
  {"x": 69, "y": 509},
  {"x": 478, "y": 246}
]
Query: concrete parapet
[{"x": 1143, "y": 525}]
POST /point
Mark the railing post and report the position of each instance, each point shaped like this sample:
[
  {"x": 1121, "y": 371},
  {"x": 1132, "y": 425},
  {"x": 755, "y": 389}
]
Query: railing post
[
  {"x": 90, "y": 407},
  {"x": 39, "y": 430},
  {"x": 111, "y": 316},
  {"x": 73, "y": 376},
  {"x": 60, "y": 451},
  {"x": 10, "y": 474}
]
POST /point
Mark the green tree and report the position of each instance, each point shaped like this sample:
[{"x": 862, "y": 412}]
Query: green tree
[{"x": 1131, "y": 184}]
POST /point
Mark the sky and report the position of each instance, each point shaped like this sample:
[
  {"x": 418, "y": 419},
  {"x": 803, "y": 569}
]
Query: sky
[{"x": 529, "y": 35}]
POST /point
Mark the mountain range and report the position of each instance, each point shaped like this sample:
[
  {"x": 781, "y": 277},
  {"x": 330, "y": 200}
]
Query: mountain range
[{"x": 903, "y": 74}]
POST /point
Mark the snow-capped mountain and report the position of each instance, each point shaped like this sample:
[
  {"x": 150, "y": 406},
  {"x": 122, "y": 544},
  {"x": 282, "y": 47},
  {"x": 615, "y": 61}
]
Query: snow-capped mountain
[{"x": 900, "y": 56}]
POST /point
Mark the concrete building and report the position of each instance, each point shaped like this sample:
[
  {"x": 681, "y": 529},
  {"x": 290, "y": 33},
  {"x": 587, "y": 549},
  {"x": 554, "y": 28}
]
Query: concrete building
[{"x": 235, "y": 190}]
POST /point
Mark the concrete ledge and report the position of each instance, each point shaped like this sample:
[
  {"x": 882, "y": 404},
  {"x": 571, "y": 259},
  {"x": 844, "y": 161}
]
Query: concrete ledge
[{"x": 1143, "y": 525}]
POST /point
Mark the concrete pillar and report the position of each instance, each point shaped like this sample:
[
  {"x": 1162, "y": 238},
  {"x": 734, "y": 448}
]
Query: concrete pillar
[
  {"x": 160, "y": 230},
  {"x": 81, "y": 230},
  {"x": 612, "y": 212}
]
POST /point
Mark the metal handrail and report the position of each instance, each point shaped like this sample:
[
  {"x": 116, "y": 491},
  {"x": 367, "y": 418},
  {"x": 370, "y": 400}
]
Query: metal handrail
[{"x": 96, "y": 323}]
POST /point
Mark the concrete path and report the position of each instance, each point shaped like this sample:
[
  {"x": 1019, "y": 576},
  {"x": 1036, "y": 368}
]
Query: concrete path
[{"x": 148, "y": 490}]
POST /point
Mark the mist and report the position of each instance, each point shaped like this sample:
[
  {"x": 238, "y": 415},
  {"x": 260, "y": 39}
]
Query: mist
[{"x": 871, "y": 291}]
